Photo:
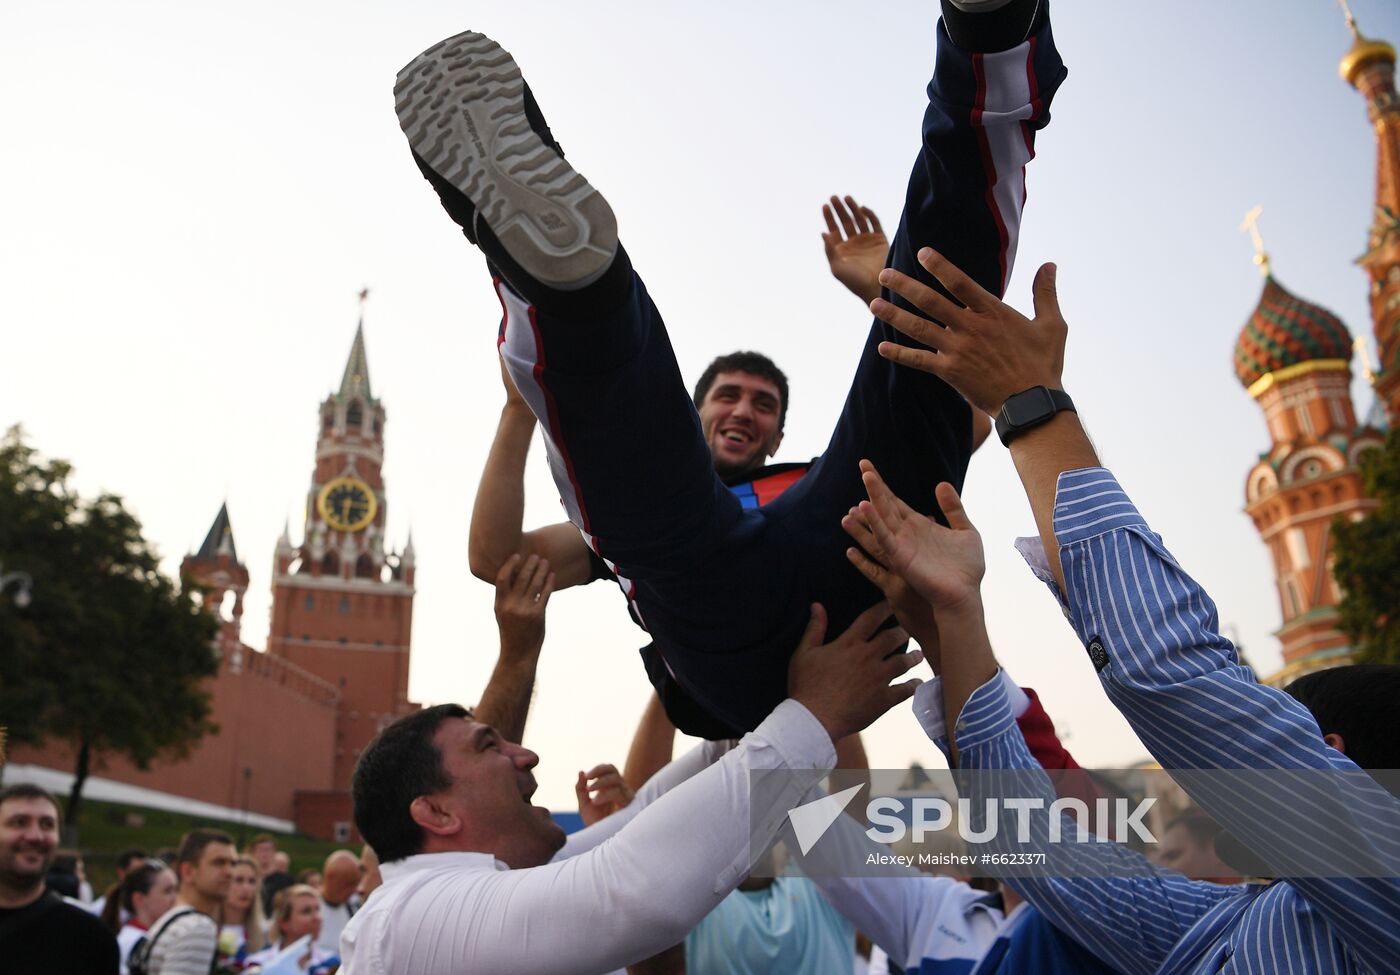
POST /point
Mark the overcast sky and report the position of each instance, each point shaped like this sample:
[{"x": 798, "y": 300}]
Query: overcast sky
[{"x": 191, "y": 197}]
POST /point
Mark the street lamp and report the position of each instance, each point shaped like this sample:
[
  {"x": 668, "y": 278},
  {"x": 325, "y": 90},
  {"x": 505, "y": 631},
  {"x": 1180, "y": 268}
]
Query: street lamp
[{"x": 22, "y": 581}]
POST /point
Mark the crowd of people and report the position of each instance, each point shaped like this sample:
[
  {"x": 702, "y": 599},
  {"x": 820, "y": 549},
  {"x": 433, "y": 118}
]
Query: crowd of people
[
  {"x": 782, "y": 604},
  {"x": 196, "y": 909}
]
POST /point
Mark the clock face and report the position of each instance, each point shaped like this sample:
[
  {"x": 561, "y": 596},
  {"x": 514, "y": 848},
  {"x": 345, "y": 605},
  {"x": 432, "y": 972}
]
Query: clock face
[{"x": 347, "y": 504}]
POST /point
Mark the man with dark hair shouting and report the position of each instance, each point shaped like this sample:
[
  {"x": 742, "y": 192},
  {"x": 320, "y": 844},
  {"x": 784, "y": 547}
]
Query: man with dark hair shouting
[
  {"x": 478, "y": 879},
  {"x": 721, "y": 588}
]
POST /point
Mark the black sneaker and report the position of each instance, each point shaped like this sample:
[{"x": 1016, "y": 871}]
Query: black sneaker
[
  {"x": 478, "y": 137},
  {"x": 988, "y": 26}
]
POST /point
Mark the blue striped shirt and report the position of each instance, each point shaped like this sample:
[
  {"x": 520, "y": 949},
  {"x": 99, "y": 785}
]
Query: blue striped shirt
[{"x": 1154, "y": 637}]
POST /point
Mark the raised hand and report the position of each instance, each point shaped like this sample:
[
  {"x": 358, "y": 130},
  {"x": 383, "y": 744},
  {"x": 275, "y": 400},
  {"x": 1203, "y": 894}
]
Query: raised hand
[
  {"x": 601, "y": 792},
  {"x": 988, "y": 351},
  {"x": 856, "y": 246},
  {"x": 523, "y": 588},
  {"x": 846, "y": 683},
  {"x": 912, "y": 610},
  {"x": 943, "y": 565}
]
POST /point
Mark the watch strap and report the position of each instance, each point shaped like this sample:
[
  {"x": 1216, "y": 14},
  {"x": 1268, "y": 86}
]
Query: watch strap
[{"x": 1042, "y": 402}]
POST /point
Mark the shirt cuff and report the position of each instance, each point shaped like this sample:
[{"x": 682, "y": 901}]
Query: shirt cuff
[
  {"x": 1088, "y": 503},
  {"x": 1032, "y": 549},
  {"x": 799, "y": 738},
  {"x": 928, "y": 704}
]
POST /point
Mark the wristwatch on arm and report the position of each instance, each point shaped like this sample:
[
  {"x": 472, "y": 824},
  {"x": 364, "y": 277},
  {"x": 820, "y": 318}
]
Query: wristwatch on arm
[{"x": 1030, "y": 408}]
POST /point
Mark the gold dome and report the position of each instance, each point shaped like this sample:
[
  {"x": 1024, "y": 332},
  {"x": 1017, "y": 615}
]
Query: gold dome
[{"x": 1363, "y": 53}]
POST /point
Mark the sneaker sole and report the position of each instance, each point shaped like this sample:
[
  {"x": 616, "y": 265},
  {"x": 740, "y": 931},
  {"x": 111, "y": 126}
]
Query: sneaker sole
[{"x": 461, "y": 104}]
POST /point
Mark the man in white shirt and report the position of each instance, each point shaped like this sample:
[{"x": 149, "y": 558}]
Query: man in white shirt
[{"x": 476, "y": 878}]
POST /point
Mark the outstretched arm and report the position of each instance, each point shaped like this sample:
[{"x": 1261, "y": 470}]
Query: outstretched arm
[
  {"x": 1112, "y": 900},
  {"x": 1026, "y": 353},
  {"x": 652, "y": 744},
  {"x": 499, "y": 511},
  {"x": 523, "y": 587},
  {"x": 641, "y": 891},
  {"x": 1153, "y": 634}
]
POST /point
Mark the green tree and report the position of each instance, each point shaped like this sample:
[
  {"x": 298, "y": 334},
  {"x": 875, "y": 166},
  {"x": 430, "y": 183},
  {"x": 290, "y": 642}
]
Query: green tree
[
  {"x": 109, "y": 655},
  {"x": 1368, "y": 560}
]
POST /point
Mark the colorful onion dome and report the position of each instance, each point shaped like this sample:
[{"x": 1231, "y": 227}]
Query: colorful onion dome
[{"x": 1284, "y": 331}]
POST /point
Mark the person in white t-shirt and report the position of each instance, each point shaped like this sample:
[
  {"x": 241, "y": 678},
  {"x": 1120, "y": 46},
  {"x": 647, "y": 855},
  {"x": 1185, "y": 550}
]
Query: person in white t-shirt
[{"x": 340, "y": 877}]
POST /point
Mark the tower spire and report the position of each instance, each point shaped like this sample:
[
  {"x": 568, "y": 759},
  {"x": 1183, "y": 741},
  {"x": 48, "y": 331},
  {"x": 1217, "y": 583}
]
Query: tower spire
[
  {"x": 1351, "y": 19},
  {"x": 1369, "y": 67},
  {"x": 1251, "y": 225},
  {"x": 356, "y": 378},
  {"x": 220, "y": 537}
]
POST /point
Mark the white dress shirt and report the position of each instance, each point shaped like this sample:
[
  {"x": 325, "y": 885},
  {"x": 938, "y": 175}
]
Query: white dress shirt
[{"x": 619, "y": 891}]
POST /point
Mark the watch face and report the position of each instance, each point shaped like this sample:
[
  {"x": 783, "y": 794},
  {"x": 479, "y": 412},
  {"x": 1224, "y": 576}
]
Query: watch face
[
  {"x": 347, "y": 504},
  {"x": 1029, "y": 406}
]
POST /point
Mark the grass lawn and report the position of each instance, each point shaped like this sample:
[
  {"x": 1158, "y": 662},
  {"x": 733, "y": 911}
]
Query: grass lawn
[{"x": 107, "y": 828}]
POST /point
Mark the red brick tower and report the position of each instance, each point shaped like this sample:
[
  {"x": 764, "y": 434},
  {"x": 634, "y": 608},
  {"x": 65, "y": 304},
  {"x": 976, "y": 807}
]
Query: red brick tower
[
  {"x": 216, "y": 569},
  {"x": 1294, "y": 358},
  {"x": 342, "y": 604},
  {"x": 1369, "y": 67}
]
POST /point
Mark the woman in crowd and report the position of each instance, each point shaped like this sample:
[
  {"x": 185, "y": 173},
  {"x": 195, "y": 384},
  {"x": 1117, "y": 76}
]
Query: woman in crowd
[
  {"x": 146, "y": 892},
  {"x": 296, "y": 913},
  {"x": 244, "y": 931}
]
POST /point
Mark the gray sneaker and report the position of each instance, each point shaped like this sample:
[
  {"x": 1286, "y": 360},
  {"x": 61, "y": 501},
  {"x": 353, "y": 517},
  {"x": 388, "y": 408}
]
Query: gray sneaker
[{"x": 462, "y": 104}]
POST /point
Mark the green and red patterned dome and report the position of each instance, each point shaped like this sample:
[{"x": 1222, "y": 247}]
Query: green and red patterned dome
[{"x": 1285, "y": 331}]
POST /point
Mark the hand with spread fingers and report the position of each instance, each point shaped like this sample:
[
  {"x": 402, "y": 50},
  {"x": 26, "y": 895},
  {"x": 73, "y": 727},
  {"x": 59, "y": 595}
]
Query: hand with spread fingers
[
  {"x": 601, "y": 792},
  {"x": 911, "y": 609},
  {"x": 846, "y": 683},
  {"x": 856, "y": 246},
  {"x": 943, "y": 565},
  {"x": 988, "y": 351}
]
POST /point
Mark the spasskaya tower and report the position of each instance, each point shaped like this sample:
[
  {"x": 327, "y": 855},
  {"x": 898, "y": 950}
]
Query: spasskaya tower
[{"x": 342, "y": 601}]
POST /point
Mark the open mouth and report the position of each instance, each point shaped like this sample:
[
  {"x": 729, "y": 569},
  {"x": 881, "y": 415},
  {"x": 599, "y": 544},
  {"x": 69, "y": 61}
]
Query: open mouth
[{"x": 738, "y": 437}]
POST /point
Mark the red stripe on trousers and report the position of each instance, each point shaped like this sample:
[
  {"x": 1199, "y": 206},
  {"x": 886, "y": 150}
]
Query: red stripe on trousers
[
  {"x": 989, "y": 166},
  {"x": 1036, "y": 108}
]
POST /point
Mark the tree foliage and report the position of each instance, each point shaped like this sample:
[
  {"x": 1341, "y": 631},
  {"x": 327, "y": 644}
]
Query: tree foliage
[
  {"x": 1368, "y": 560},
  {"x": 109, "y": 655}
]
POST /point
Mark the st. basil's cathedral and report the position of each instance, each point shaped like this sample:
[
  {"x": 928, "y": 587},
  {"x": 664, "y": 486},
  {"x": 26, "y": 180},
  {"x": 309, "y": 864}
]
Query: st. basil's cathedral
[{"x": 1294, "y": 357}]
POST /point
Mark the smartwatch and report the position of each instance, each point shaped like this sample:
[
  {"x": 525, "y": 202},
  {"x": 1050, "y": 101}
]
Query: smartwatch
[{"x": 1030, "y": 408}]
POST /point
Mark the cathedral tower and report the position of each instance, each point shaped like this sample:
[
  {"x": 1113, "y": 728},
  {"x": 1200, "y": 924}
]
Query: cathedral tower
[
  {"x": 1294, "y": 358},
  {"x": 342, "y": 603},
  {"x": 1369, "y": 67}
]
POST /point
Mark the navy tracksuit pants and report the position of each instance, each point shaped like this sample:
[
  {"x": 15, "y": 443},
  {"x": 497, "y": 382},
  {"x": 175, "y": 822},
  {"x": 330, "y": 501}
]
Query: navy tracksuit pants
[{"x": 724, "y": 592}]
